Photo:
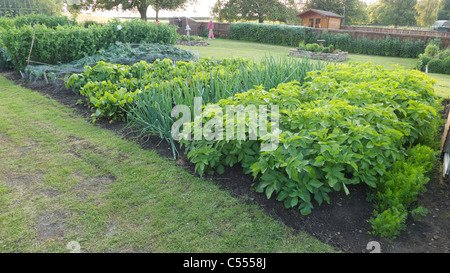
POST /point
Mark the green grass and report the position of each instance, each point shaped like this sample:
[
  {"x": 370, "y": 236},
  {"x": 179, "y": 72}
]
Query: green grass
[
  {"x": 221, "y": 48},
  {"x": 63, "y": 179}
]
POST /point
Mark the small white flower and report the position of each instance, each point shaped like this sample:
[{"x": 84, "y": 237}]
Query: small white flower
[{"x": 119, "y": 27}]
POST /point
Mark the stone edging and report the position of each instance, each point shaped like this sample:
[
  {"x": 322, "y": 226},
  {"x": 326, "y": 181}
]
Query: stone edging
[
  {"x": 193, "y": 43},
  {"x": 339, "y": 57}
]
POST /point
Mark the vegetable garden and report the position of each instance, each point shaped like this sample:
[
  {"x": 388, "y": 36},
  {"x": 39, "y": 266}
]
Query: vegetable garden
[{"x": 339, "y": 125}]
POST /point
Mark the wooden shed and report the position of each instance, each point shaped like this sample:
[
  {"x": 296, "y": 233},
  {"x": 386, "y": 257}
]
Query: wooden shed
[{"x": 321, "y": 19}]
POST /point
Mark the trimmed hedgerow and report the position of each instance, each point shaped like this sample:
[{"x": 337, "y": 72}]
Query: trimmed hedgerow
[
  {"x": 270, "y": 33},
  {"x": 66, "y": 43}
]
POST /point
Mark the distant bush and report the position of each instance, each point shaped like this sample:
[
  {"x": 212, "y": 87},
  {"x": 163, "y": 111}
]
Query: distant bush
[
  {"x": 443, "y": 54},
  {"x": 276, "y": 34},
  {"x": 431, "y": 50},
  {"x": 436, "y": 66},
  {"x": 422, "y": 62},
  {"x": 89, "y": 23},
  {"x": 446, "y": 66}
]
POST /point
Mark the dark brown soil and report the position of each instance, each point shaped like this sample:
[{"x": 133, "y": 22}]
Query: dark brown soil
[{"x": 342, "y": 223}]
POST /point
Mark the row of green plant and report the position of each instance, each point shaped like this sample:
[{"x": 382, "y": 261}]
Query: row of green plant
[
  {"x": 398, "y": 188},
  {"x": 340, "y": 126},
  {"x": 68, "y": 43},
  {"x": 7, "y": 23},
  {"x": 346, "y": 125},
  {"x": 111, "y": 88},
  {"x": 118, "y": 53},
  {"x": 146, "y": 93},
  {"x": 435, "y": 59}
]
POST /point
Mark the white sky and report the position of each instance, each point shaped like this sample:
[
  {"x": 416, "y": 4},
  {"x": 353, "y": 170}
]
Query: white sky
[{"x": 201, "y": 9}]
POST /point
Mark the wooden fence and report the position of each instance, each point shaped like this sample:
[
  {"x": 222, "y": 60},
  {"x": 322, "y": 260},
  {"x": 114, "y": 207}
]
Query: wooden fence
[{"x": 355, "y": 32}]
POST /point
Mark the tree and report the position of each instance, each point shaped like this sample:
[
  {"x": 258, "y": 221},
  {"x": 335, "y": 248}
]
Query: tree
[
  {"x": 136, "y": 5},
  {"x": 394, "y": 12},
  {"x": 427, "y": 12},
  {"x": 355, "y": 10},
  {"x": 21, "y": 7},
  {"x": 251, "y": 10},
  {"x": 444, "y": 10}
]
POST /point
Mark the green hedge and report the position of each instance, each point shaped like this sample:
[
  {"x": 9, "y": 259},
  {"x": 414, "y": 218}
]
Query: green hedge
[
  {"x": 392, "y": 47},
  {"x": 42, "y": 19},
  {"x": 270, "y": 33},
  {"x": 291, "y": 36},
  {"x": 68, "y": 43}
]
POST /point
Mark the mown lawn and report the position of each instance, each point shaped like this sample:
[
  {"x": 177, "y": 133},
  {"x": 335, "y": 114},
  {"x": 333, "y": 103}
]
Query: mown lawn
[
  {"x": 221, "y": 48},
  {"x": 63, "y": 179}
]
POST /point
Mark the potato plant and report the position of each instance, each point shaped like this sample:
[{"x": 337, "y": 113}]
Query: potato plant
[{"x": 347, "y": 125}]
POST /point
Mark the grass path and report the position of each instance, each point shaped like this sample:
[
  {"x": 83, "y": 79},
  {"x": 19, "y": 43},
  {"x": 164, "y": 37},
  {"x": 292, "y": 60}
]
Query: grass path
[
  {"x": 221, "y": 48},
  {"x": 62, "y": 179}
]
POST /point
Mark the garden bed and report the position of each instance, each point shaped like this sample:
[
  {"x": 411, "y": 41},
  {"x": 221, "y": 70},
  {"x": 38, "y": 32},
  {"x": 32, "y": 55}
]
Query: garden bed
[
  {"x": 333, "y": 57},
  {"x": 341, "y": 224}
]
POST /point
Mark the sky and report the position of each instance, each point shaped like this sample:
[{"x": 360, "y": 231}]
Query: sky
[{"x": 201, "y": 9}]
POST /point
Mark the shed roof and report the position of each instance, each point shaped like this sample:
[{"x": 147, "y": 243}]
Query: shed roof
[{"x": 321, "y": 12}]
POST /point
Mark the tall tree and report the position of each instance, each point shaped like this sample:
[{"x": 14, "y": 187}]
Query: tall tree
[
  {"x": 251, "y": 10},
  {"x": 444, "y": 10},
  {"x": 427, "y": 12},
  {"x": 395, "y": 12},
  {"x": 355, "y": 10},
  {"x": 21, "y": 7},
  {"x": 140, "y": 6}
]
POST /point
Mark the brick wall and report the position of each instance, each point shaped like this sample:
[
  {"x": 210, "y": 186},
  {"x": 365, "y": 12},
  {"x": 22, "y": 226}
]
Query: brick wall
[{"x": 198, "y": 27}]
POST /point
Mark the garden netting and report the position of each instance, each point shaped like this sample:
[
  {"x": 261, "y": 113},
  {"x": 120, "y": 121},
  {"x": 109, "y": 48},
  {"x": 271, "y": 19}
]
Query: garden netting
[{"x": 125, "y": 54}]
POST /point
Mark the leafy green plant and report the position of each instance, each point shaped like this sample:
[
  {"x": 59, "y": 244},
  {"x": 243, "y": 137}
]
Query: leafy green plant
[
  {"x": 418, "y": 213},
  {"x": 314, "y": 47},
  {"x": 422, "y": 62},
  {"x": 436, "y": 66},
  {"x": 224, "y": 79},
  {"x": 399, "y": 188},
  {"x": 346, "y": 125},
  {"x": 431, "y": 50}
]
